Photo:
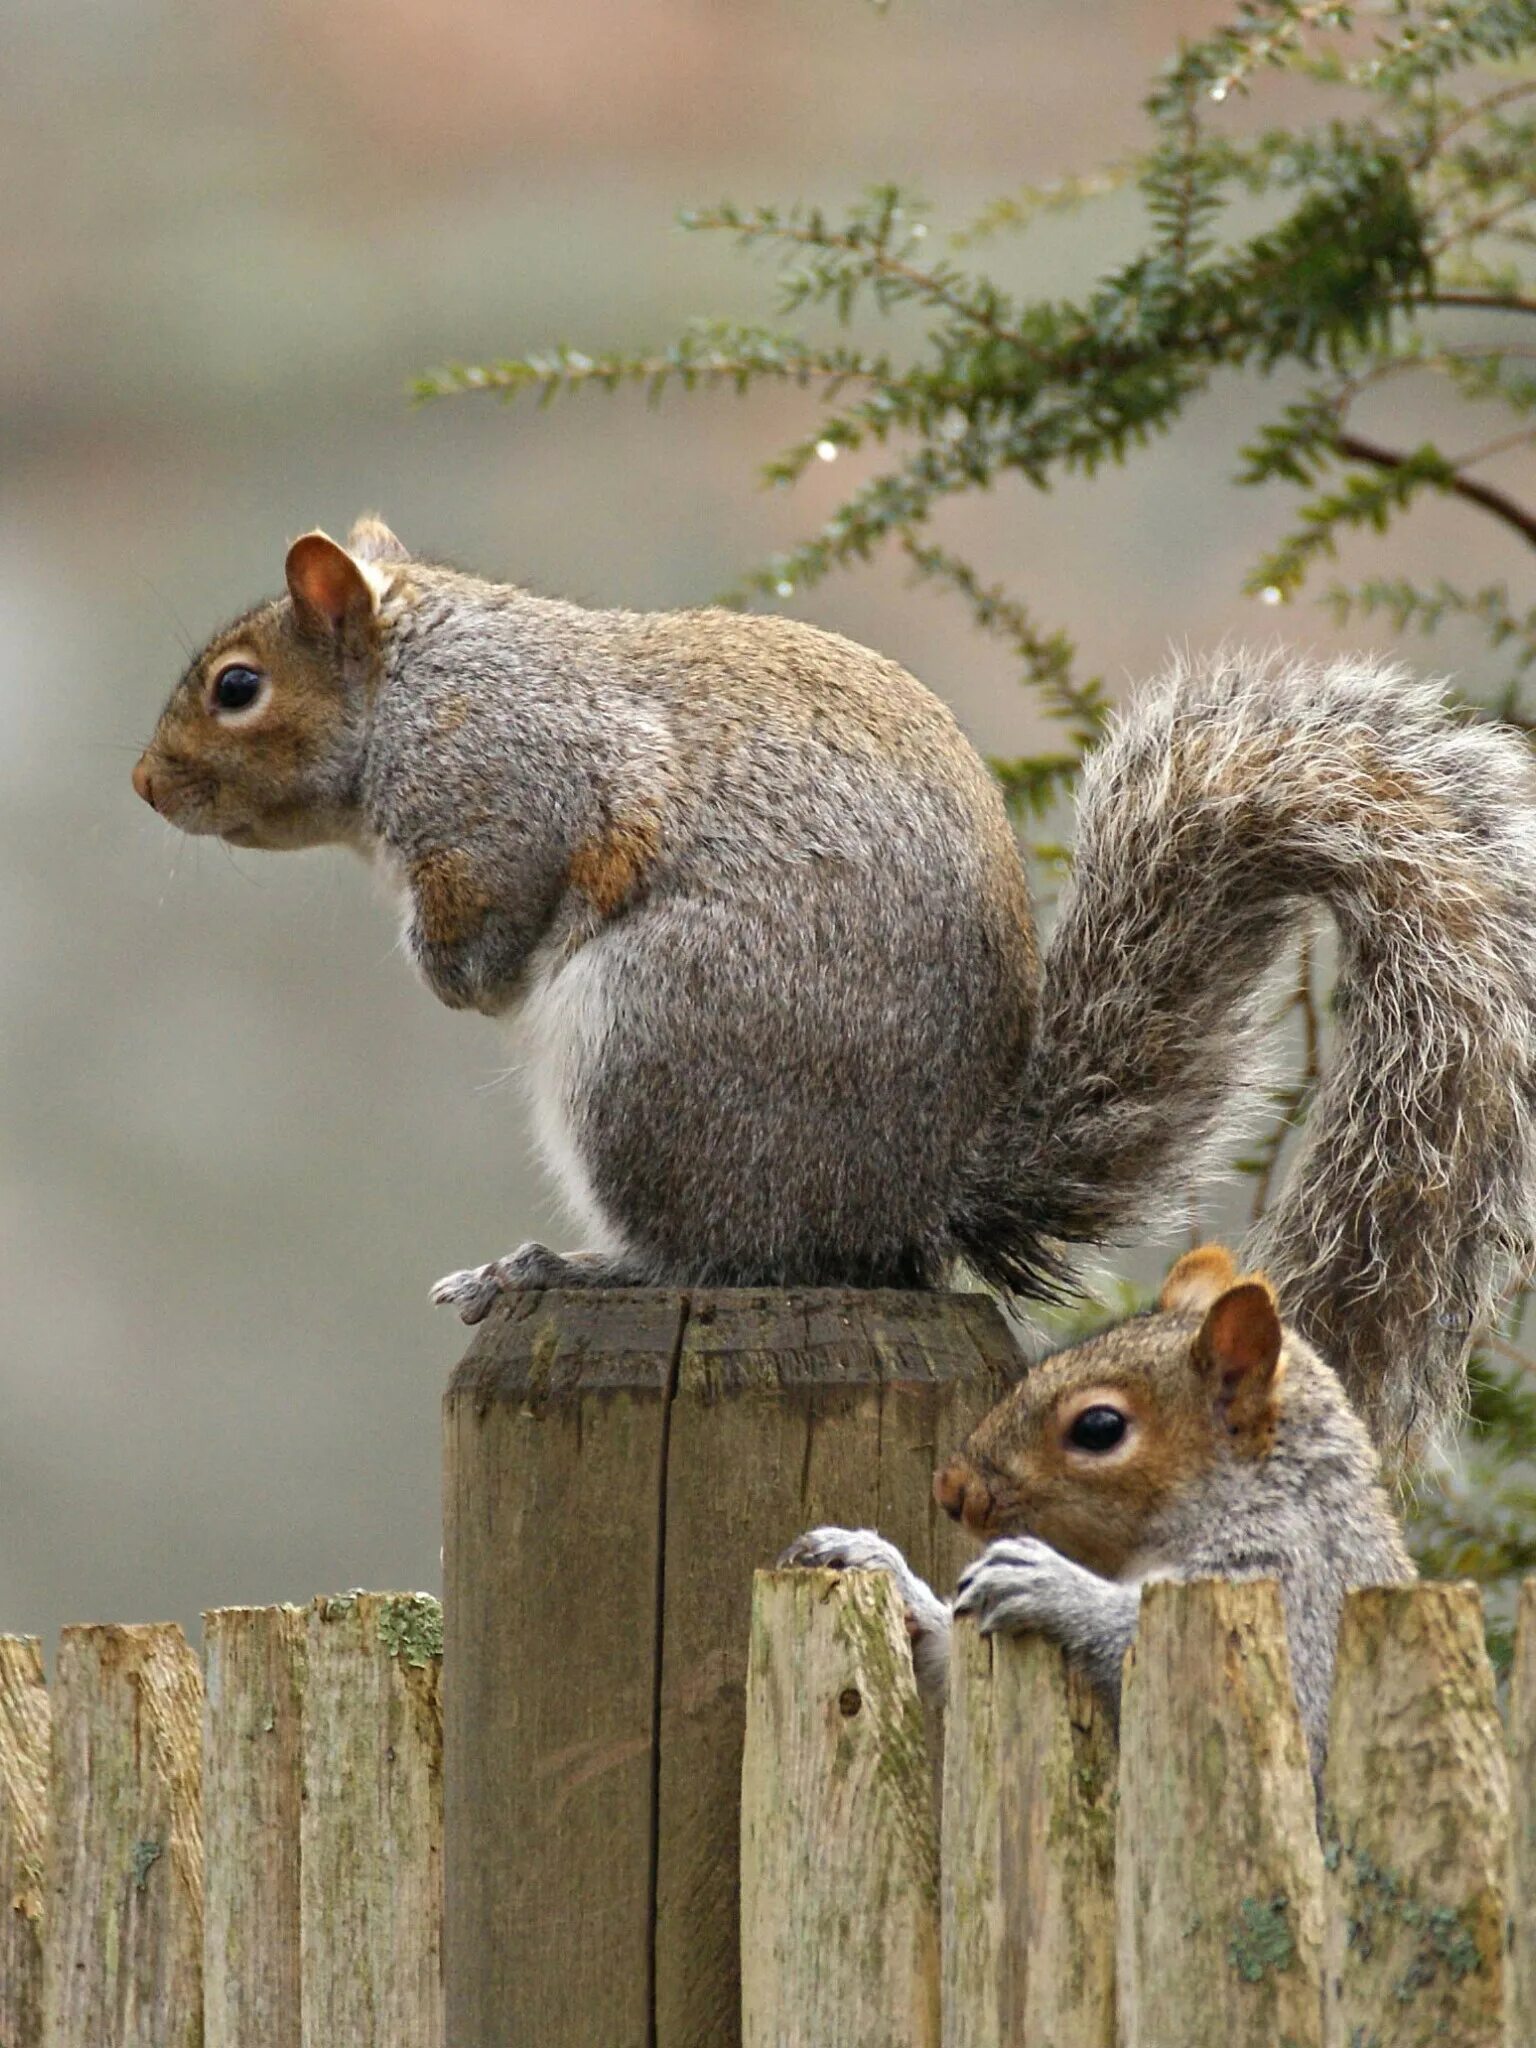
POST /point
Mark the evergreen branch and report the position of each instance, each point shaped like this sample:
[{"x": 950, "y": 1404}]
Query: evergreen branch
[
  {"x": 1020, "y": 209},
  {"x": 1442, "y": 474},
  {"x": 1406, "y": 605},
  {"x": 1223, "y": 63},
  {"x": 866, "y": 244},
  {"x": 1483, "y": 223},
  {"x": 1501, "y": 444},
  {"x": 708, "y": 353},
  {"x": 1033, "y": 785},
  {"x": 1468, "y": 116}
]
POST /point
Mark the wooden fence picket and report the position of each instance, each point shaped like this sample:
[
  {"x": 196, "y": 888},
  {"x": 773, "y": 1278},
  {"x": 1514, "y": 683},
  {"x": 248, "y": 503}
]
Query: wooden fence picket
[
  {"x": 372, "y": 1835},
  {"x": 1177, "y": 1893},
  {"x": 1416, "y": 1818},
  {"x": 23, "y": 1839},
  {"x": 123, "y": 1927},
  {"x": 1218, "y": 1868},
  {"x": 972, "y": 1907},
  {"x": 839, "y": 1873},
  {"x": 1027, "y": 1858},
  {"x": 253, "y": 1789}
]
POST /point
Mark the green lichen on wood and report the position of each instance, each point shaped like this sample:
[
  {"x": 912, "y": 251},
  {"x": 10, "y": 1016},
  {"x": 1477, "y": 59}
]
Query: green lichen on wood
[
  {"x": 864, "y": 1628},
  {"x": 411, "y": 1627},
  {"x": 1439, "y": 1937},
  {"x": 1262, "y": 1939},
  {"x": 146, "y": 1855}
]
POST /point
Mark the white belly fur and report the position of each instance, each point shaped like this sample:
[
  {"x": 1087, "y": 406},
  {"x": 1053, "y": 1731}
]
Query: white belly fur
[{"x": 560, "y": 1031}]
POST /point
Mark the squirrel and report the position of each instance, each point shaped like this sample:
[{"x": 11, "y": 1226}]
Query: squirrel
[
  {"x": 760, "y": 911},
  {"x": 1205, "y": 1440}
]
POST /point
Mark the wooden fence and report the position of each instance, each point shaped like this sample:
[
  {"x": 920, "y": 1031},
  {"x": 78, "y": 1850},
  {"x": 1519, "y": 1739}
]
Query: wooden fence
[
  {"x": 246, "y": 1854},
  {"x": 249, "y": 1854},
  {"x": 1180, "y": 1896},
  {"x": 661, "y": 1803}
]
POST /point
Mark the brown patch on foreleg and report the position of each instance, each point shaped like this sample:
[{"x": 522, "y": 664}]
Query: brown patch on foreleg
[
  {"x": 451, "y": 902},
  {"x": 611, "y": 867}
]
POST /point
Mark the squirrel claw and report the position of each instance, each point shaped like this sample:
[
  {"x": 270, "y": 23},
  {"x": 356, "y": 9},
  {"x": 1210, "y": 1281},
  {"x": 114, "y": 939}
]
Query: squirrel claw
[
  {"x": 473, "y": 1290},
  {"x": 927, "y": 1616}
]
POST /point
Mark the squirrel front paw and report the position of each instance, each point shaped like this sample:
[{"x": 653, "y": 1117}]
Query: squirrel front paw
[
  {"x": 473, "y": 1291},
  {"x": 1020, "y": 1584},
  {"x": 927, "y": 1616}
]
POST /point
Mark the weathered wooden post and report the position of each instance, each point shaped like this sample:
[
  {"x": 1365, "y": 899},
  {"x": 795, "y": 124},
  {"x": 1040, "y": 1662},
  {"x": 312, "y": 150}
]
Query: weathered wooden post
[{"x": 617, "y": 1465}]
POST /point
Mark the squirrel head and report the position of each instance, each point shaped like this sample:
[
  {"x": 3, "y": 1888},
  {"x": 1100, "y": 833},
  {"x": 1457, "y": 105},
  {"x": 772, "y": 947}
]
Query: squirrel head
[
  {"x": 261, "y": 741},
  {"x": 1094, "y": 1443}
]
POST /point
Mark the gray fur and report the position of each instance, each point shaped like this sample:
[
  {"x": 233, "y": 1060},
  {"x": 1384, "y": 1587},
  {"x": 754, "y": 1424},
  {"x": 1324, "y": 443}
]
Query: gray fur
[
  {"x": 825, "y": 977},
  {"x": 1229, "y": 799}
]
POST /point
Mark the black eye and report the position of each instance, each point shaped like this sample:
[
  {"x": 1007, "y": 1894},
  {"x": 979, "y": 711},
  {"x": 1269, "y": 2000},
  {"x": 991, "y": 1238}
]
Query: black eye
[
  {"x": 1098, "y": 1429},
  {"x": 235, "y": 687}
]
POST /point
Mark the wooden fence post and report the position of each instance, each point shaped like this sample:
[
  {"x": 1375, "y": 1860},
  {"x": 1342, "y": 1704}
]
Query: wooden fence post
[
  {"x": 253, "y": 1790},
  {"x": 123, "y": 1930},
  {"x": 1027, "y": 1866},
  {"x": 839, "y": 1845},
  {"x": 1218, "y": 1869},
  {"x": 23, "y": 1839},
  {"x": 371, "y": 1839},
  {"x": 1416, "y": 1825},
  {"x": 617, "y": 1463},
  {"x": 1520, "y": 1991}
]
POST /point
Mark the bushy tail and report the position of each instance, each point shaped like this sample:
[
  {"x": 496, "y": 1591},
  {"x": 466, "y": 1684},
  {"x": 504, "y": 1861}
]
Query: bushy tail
[{"x": 1227, "y": 801}]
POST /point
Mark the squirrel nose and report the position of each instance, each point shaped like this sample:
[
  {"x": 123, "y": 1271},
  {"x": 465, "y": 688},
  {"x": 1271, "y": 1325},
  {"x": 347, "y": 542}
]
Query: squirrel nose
[
  {"x": 963, "y": 1494},
  {"x": 141, "y": 782}
]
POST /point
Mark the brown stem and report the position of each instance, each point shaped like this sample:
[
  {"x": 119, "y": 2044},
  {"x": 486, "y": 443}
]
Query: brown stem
[
  {"x": 1494, "y": 302},
  {"x": 1502, "y": 507}
]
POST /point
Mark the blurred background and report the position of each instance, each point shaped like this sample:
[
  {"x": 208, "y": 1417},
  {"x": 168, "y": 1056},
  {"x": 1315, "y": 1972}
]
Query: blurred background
[{"x": 239, "y": 1141}]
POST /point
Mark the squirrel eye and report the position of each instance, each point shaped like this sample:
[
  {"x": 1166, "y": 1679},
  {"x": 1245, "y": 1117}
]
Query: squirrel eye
[
  {"x": 236, "y": 687},
  {"x": 1097, "y": 1429}
]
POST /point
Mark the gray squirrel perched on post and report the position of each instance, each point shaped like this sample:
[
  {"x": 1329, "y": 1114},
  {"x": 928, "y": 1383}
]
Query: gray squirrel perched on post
[
  {"x": 758, "y": 905},
  {"x": 761, "y": 910}
]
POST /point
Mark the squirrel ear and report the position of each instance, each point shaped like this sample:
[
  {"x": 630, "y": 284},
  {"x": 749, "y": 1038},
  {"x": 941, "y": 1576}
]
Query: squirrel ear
[
  {"x": 1239, "y": 1348},
  {"x": 326, "y": 585},
  {"x": 1196, "y": 1280},
  {"x": 371, "y": 541}
]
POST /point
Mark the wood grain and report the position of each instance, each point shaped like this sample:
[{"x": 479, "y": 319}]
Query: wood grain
[
  {"x": 1416, "y": 1826},
  {"x": 552, "y": 1543},
  {"x": 23, "y": 1839},
  {"x": 253, "y": 1791},
  {"x": 617, "y": 1465},
  {"x": 123, "y": 1937},
  {"x": 789, "y": 1410},
  {"x": 1218, "y": 1868},
  {"x": 371, "y": 1836},
  {"x": 839, "y": 1850},
  {"x": 1028, "y": 1850}
]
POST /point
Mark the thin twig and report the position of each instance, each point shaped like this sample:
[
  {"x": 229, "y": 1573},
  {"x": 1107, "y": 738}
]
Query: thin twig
[{"x": 1501, "y": 506}]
